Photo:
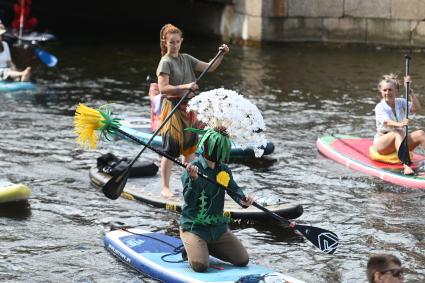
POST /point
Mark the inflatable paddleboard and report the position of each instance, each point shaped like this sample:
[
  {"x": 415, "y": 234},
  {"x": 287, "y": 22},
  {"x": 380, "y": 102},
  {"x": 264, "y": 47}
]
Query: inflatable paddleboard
[
  {"x": 141, "y": 129},
  {"x": 353, "y": 152},
  {"x": 31, "y": 37},
  {"x": 13, "y": 192},
  {"x": 154, "y": 255},
  {"x": 147, "y": 190},
  {"x": 17, "y": 86}
]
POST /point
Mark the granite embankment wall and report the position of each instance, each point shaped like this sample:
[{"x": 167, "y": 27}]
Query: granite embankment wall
[{"x": 378, "y": 22}]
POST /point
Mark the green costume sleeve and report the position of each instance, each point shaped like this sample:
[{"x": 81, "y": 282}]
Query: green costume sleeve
[
  {"x": 190, "y": 191},
  {"x": 235, "y": 191}
]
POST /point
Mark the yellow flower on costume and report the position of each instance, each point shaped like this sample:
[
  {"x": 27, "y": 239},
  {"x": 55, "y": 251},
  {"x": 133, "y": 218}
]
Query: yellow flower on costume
[{"x": 223, "y": 178}]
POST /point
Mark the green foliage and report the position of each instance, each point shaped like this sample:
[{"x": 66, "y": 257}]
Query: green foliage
[
  {"x": 215, "y": 139},
  {"x": 110, "y": 125}
]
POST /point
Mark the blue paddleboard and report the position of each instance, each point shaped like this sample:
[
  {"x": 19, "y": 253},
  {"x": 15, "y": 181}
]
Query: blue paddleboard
[
  {"x": 17, "y": 86},
  {"x": 154, "y": 254},
  {"x": 140, "y": 128}
]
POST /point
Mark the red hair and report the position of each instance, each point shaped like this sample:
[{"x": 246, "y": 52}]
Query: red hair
[{"x": 166, "y": 30}]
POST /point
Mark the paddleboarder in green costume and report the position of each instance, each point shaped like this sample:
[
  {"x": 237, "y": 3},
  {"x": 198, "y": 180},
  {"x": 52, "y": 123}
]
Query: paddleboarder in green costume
[{"x": 203, "y": 228}]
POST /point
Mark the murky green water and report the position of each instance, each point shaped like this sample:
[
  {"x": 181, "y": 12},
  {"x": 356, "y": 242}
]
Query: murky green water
[{"x": 303, "y": 92}]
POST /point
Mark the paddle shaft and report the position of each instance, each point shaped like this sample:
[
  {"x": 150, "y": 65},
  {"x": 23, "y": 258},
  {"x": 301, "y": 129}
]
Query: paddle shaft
[
  {"x": 164, "y": 154},
  {"x": 21, "y": 21},
  {"x": 407, "y": 58},
  {"x": 403, "y": 152},
  {"x": 203, "y": 176},
  {"x": 317, "y": 236}
]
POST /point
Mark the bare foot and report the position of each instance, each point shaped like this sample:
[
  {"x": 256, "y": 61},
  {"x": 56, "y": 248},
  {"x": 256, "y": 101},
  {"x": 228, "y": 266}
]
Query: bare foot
[
  {"x": 166, "y": 193},
  {"x": 408, "y": 170},
  {"x": 26, "y": 74}
]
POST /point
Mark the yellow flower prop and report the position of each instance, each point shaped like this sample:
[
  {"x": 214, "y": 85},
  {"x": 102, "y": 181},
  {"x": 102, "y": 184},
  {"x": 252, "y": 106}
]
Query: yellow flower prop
[
  {"x": 223, "y": 178},
  {"x": 88, "y": 120}
]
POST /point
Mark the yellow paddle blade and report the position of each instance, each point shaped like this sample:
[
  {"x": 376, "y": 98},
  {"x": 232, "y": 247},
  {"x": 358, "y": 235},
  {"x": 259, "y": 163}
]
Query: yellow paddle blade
[{"x": 86, "y": 121}]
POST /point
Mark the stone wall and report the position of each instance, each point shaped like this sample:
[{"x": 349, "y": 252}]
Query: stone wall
[{"x": 389, "y": 22}]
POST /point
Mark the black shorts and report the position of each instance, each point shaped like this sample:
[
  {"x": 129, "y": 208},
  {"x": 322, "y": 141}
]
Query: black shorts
[{"x": 172, "y": 148}]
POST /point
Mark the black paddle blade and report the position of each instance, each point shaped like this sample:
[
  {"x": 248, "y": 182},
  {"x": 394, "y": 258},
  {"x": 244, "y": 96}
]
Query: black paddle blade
[
  {"x": 114, "y": 187},
  {"x": 403, "y": 152},
  {"x": 325, "y": 240}
]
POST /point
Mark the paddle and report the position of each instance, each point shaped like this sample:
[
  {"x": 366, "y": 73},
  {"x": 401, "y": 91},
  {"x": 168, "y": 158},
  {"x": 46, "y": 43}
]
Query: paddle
[
  {"x": 44, "y": 56},
  {"x": 48, "y": 59},
  {"x": 21, "y": 21},
  {"x": 325, "y": 240},
  {"x": 114, "y": 187},
  {"x": 403, "y": 150}
]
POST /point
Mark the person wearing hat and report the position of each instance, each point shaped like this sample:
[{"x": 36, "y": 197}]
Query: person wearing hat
[
  {"x": 8, "y": 70},
  {"x": 203, "y": 228}
]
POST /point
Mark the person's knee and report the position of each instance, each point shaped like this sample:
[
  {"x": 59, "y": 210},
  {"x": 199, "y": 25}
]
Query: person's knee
[
  {"x": 199, "y": 266},
  {"x": 242, "y": 261}
]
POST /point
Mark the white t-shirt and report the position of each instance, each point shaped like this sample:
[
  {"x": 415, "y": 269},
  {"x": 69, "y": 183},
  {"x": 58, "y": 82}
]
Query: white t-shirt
[
  {"x": 383, "y": 112},
  {"x": 5, "y": 55}
]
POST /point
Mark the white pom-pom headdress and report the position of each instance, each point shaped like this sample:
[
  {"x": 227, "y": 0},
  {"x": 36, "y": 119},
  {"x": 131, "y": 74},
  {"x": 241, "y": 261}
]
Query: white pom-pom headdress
[{"x": 223, "y": 108}]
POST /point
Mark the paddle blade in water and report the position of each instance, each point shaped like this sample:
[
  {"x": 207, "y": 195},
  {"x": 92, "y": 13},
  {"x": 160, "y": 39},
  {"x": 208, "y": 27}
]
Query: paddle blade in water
[
  {"x": 325, "y": 240},
  {"x": 115, "y": 186},
  {"x": 403, "y": 152},
  {"x": 45, "y": 57}
]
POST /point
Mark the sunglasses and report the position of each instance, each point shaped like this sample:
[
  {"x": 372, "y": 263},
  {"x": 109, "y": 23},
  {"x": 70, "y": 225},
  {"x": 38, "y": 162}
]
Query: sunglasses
[{"x": 395, "y": 272}]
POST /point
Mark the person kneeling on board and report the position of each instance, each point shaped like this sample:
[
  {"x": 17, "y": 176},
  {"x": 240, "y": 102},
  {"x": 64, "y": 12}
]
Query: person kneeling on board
[{"x": 203, "y": 228}]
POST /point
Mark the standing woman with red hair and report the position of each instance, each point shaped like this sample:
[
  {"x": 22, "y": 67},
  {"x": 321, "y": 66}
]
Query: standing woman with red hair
[{"x": 176, "y": 75}]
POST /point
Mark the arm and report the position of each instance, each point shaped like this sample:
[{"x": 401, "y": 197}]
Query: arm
[
  {"x": 416, "y": 104},
  {"x": 384, "y": 122},
  {"x": 190, "y": 185},
  {"x": 236, "y": 193},
  {"x": 202, "y": 65},
  {"x": 170, "y": 90},
  {"x": 394, "y": 124}
]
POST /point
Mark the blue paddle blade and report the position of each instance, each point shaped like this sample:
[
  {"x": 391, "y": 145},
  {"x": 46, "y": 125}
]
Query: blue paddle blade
[{"x": 45, "y": 57}]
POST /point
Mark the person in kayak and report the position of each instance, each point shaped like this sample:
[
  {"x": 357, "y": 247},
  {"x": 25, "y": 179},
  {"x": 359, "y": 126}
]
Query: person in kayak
[
  {"x": 203, "y": 228},
  {"x": 176, "y": 75},
  {"x": 8, "y": 69},
  {"x": 383, "y": 268},
  {"x": 390, "y": 119}
]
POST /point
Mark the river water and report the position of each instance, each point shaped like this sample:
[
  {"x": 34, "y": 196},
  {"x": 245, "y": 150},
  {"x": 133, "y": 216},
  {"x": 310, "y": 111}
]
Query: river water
[{"x": 303, "y": 91}]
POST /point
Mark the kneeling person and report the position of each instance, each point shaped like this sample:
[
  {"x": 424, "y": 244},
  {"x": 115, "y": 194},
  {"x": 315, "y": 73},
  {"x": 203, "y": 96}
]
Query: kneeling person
[{"x": 203, "y": 228}]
